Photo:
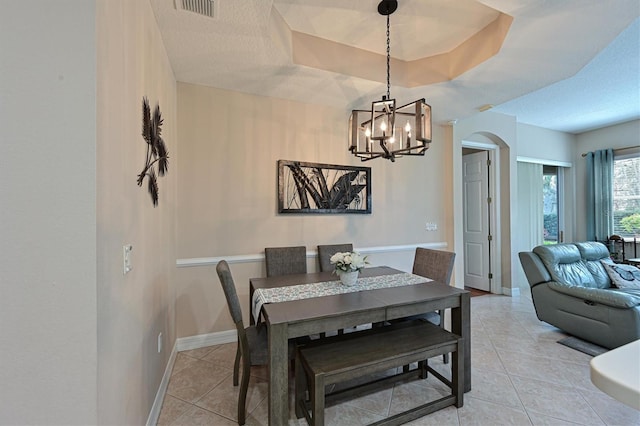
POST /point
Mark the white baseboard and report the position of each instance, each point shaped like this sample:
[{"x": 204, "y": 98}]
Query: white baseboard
[
  {"x": 513, "y": 291},
  {"x": 154, "y": 414},
  {"x": 204, "y": 340},
  {"x": 185, "y": 344}
]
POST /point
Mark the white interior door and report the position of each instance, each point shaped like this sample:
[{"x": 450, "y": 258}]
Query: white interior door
[{"x": 476, "y": 235}]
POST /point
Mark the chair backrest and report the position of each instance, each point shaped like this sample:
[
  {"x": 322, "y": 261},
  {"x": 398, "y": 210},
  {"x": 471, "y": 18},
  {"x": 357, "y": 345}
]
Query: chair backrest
[
  {"x": 229, "y": 288},
  {"x": 286, "y": 260},
  {"x": 326, "y": 251},
  {"x": 434, "y": 264}
]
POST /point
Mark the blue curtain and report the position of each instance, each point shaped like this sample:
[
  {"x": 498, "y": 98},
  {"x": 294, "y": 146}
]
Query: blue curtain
[{"x": 599, "y": 194}]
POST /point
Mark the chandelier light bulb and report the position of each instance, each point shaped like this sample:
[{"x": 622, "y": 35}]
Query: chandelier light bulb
[
  {"x": 367, "y": 132},
  {"x": 407, "y": 127},
  {"x": 383, "y": 126}
]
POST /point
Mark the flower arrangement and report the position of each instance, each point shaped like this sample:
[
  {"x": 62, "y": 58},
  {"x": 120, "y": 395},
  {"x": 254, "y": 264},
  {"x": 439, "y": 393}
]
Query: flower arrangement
[{"x": 348, "y": 261}]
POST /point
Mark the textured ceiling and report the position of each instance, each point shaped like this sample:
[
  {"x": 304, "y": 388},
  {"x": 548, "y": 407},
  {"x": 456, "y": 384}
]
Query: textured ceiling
[
  {"x": 561, "y": 62},
  {"x": 605, "y": 92}
]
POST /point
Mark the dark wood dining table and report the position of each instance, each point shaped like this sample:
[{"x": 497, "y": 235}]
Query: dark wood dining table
[{"x": 304, "y": 317}]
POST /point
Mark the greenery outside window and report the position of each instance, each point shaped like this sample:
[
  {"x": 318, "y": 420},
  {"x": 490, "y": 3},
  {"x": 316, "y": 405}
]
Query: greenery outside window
[{"x": 550, "y": 199}]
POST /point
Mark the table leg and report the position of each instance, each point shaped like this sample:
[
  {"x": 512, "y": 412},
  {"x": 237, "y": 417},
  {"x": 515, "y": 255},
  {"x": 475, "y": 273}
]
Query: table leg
[
  {"x": 278, "y": 375},
  {"x": 461, "y": 325}
]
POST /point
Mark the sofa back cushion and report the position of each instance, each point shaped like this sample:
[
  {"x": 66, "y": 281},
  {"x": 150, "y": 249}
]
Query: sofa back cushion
[
  {"x": 564, "y": 263},
  {"x": 593, "y": 255}
]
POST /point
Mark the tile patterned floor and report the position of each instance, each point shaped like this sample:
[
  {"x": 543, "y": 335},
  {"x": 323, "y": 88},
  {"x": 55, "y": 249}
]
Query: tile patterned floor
[{"x": 520, "y": 376}]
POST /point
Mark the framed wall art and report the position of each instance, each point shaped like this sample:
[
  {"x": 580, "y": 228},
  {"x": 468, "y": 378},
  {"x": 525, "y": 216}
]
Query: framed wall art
[{"x": 323, "y": 188}]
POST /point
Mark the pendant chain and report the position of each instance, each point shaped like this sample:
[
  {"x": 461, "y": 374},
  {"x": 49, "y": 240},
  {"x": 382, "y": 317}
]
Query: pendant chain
[{"x": 388, "y": 60}]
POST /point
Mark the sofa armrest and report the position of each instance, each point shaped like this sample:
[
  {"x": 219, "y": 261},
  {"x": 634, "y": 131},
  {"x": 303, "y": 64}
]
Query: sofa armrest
[
  {"x": 534, "y": 269},
  {"x": 609, "y": 297}
]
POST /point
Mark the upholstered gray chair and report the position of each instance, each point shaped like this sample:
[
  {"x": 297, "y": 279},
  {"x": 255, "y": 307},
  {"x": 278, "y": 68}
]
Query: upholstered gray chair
[
  {"x": 326, "y": 251},
  {"x": 252, "y": 341},
  {"x": 285, "y": 260},
  {"x": 437, "y": 265},
  {"x": 434, "y": 264}
]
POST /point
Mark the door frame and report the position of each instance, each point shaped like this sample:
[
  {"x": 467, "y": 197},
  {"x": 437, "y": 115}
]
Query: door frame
[{"x": 495, "y": 246}]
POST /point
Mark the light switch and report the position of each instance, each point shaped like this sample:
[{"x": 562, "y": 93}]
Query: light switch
[{"x": 126, "y": 258}]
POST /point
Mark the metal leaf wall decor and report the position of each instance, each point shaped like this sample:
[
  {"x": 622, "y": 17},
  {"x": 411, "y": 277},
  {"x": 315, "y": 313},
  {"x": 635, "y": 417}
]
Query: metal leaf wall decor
[
  {"x": 156, "y": 150},
  {"x": 323, "y": 188}
]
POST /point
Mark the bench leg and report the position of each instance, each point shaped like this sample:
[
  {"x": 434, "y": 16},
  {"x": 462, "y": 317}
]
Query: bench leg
[
  {"x": 317, "y": 398},
  {"x": 422, "y": 366},
  {"x": 457, "y": 374},
  {"x": 301, "y": 387}
]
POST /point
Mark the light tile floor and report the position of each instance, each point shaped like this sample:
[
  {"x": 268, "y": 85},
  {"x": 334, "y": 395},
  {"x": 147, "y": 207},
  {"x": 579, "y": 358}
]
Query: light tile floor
[{"x": 520, "y": 376}]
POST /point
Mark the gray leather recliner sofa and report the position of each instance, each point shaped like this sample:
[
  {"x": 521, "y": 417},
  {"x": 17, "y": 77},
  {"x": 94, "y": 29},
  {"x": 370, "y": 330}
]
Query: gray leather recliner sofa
[{"x": 572, "y": 291}]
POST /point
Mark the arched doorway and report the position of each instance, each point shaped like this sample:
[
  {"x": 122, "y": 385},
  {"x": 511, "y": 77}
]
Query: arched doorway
[{"x": 466, "y": 135}]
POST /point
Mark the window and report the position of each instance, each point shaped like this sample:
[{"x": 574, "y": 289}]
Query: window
[
  {"x": 626, "y": 195},
  {"x": 550, "y": 203}
]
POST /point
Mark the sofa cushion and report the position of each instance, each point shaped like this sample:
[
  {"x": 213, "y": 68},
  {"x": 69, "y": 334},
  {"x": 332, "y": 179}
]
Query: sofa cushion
[
  {"x": 593, "y": 254},
  {"x": 564, "y": 263},
  {"x": 623, "y": 276}
]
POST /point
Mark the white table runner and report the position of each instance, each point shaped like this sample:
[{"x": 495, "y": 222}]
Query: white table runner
[{"x": 328, "y": 288}]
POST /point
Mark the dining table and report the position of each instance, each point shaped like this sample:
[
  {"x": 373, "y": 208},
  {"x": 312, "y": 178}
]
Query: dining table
[{"x": 298, "y": 316}]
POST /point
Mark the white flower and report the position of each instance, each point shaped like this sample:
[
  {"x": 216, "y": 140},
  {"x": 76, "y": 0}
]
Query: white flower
[{"x": 349, "y": 261}]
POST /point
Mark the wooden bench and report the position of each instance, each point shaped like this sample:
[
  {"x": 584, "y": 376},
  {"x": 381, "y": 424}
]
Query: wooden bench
[{"x": 356, "y": 355}]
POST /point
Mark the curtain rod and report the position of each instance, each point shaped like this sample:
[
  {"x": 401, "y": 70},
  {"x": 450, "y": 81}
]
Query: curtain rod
[{"x": 619, "y": 150}]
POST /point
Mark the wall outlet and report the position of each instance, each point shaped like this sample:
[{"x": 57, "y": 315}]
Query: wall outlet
[
  {"x": 431, "y": 226},
  {"x": 159, "y": 342}
]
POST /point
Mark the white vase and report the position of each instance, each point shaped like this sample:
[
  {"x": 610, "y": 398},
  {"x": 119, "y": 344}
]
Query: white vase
[{"x": 348, "y": 278}]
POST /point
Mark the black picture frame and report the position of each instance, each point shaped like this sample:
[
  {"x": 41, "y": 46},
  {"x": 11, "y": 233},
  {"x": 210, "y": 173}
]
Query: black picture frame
[{"x": 312, "y": 188}]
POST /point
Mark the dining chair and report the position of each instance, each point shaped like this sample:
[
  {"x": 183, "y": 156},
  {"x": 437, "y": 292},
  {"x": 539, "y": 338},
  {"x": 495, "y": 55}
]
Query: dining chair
[
  {"x": 253, "y": 344},
  {"x": 285, "y": 260},
  {"x": 324, "y": 256},
  {"x": 437, "y": 265},
  {"x": 326, "y": 251}
]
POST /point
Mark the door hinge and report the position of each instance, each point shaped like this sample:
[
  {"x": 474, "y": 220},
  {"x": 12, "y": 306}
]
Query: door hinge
[
  {"x": 489, "y": 200},
  {"x": 490, "y": 276},
  {"x": 488, "y": 162},
  {"x": 490, "y": 237}
]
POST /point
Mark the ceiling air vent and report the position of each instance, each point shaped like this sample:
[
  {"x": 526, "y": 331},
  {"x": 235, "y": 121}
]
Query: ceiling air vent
[{"x": 201, "y": 7}]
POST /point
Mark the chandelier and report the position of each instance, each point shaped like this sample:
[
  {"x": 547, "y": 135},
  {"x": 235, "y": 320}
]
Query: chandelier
[{"x": 386, "y": 131}]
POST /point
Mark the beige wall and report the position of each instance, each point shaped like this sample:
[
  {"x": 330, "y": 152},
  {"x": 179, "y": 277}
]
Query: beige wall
[
  {"x": 227, "y": 191},
  {"x": 132, "y": 309},
  {"x": 544, "y": 144},
  {"x": 47, "y": 213},
  {"x": 78, "y": 338}
]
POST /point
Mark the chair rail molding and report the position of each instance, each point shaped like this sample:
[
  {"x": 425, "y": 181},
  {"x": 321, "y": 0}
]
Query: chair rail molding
[{"x": 259, "y": 257}]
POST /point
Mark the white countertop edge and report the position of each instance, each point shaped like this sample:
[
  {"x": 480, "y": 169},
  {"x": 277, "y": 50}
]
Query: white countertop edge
[{"x": 617, "y": 373}]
